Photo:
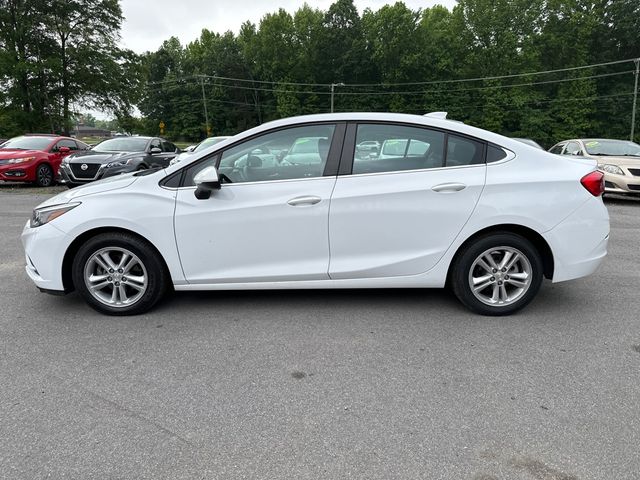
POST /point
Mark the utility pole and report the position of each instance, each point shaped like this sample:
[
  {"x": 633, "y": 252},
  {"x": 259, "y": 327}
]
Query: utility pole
[
  {"x": 635, "y": 98},
  {"x": 204, "y": 102},
  {"x": 333, "y": 86}
]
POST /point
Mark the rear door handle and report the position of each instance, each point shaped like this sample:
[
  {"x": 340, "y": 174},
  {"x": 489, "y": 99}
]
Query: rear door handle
[
  {"x": 304, "y": 200},
  {"x": 448, "y": 187}
]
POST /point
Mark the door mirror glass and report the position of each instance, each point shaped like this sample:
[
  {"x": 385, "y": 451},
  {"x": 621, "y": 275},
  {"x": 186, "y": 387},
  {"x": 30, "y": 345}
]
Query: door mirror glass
[
  {"x": 206, "y": 180},
  {"x": 64, "y": 150},
  {"x": 155, "y": 150}
]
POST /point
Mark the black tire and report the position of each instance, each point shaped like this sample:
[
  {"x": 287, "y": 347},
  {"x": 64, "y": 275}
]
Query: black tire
[
  {"x": 460, "y": 277},
  {"x": 44, "y": 175},
  {"x": 153, "y": 269}
]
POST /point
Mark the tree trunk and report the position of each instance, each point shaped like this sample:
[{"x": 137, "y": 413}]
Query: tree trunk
[{"x": 66, "y": 120}]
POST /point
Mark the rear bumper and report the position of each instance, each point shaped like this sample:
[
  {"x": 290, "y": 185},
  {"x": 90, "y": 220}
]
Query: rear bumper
[{"x": 579, "y": 242}]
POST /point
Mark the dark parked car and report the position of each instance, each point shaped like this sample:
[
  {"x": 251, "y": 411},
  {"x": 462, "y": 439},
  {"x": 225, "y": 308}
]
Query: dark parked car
[
  {"x": 114, "y": 157},
  {"x": 35, "y": 157}
]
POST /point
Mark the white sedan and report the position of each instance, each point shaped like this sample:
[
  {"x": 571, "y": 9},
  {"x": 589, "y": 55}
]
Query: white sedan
[{"x": 485, "y": 214}]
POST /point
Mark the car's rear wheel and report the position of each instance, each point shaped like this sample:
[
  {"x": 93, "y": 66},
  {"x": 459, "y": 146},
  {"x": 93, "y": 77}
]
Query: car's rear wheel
[
  {"x": 497, "y": 274},
  {"x": 44, "y": 175},
  {"x": 119, "y": 274}
]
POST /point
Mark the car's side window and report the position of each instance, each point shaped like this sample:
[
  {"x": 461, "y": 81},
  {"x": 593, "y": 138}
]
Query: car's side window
[
  {"x": 168, "y": 147},
  {"x": 70, "y": 144},
  {"x": 495, "y": 154},
  {"x": 155, "y": 143},
  {"x": 389, "y": 148},
  {"x": 291, "y": 153},
  {"x": 557, "y": 149},
  {"x": 463, "y": 151},
  {"x": 573, "y": 148}
]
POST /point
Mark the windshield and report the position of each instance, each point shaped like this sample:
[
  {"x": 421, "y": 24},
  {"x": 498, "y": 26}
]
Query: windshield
[
  {"x": 612, "y": 147},
  {"x": 28, "y": 143},
  {"x": 209, "y": 142},
  {"x": 129, "y": 144},
  {"x": 305, "y": 145}
]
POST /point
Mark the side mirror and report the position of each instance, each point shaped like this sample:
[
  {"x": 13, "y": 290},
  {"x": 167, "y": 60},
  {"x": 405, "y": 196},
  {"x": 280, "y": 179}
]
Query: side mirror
[
  {"x": 155, "y": 150},
  {"x": 206, "y": 181},
  {"x": 64, "y": 150}
]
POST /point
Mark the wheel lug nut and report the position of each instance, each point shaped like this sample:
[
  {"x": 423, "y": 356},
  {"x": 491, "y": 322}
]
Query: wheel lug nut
[
  {"x": 111, "y": 270},
  {"x": 494, "y": 270},
  {"x": 504, "y": 269},
  {"x": 124, "y": 279},
  {"x": 109, "y": 279},
  {"x": 120, "y": 270},
  {"x": 493, "y": 279},
  {"x": 506, "y": 277},
  {"x": 117, "y": 284},
  {"x": 499, "y": 283}
]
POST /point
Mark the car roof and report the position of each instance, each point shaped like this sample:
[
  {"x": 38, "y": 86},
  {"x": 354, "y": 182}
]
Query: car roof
[
  {"x": 603, "y": 140},
  {"x": 422, "y": 120}
]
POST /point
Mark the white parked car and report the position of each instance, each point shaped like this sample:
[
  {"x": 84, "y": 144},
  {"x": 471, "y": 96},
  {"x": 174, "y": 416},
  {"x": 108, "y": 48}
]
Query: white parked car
[
  {"x": 190, "y": 150},
  {"x": 485, "y": 214}
]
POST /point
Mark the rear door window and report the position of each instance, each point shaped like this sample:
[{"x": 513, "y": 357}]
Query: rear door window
[{"x": 401, "y": 148}]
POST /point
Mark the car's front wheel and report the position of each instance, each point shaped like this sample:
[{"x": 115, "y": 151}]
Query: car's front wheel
[
  {"x": 119, "y": 274},
  {"x": 44, "y": 175},
  {"x": 497, "y": 274}
]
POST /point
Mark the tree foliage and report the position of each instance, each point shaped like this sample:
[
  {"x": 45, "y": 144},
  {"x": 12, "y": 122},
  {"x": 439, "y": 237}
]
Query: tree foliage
[
  {"x": 391, "y": 59},
  {"x": 61, "y": 55}
]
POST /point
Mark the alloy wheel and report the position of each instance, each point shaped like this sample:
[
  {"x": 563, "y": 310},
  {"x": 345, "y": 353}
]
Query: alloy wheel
[
  {"x": 500, "y": 276},
  {"x": 115, "y": 277}
]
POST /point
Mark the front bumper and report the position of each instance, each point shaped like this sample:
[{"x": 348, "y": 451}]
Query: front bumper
[
  {"x": 66, "y": 176},
  {"x": 44, "y": 249},
  {"x": 16, "y": 173},
  {"x": 621, "y": 183}
]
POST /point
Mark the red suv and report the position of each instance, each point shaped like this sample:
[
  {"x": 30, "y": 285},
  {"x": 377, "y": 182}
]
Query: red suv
[{"x": 35, "y": 158}]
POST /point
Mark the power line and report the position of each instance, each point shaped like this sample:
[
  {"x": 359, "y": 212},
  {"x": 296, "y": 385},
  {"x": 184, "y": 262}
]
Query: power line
[
  {"x": 489, "y": 87},
  {"x": 411, "y": 92},
  {"x": 499, "y": 77},
  {"x": 389, "y": 84}
]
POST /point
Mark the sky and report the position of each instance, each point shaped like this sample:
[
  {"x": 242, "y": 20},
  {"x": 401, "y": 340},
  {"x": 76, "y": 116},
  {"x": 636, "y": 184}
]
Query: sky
[{"x": 148, "y": 23}]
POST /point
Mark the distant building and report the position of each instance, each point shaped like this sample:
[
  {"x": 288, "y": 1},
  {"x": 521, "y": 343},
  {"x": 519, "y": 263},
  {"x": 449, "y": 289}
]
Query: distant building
[{"x": 84, "y": 131}]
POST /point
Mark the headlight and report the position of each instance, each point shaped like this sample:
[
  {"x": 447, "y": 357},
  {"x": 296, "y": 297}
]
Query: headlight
[
  {"x": 21, "y": 160},
  {"x": 45, "y": 215},
  {"x": 611, "y": 169},
  {"x": 119, "y": 163}
]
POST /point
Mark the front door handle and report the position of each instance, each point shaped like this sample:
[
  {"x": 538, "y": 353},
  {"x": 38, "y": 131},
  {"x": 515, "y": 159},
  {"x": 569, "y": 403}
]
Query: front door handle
[
  {"x": 448, "y": 187},
  {"x": 305, "y": 200}
]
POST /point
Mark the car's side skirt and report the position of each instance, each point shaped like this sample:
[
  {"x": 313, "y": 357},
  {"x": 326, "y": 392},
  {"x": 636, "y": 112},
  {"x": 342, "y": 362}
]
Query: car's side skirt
[{"x": 416, "y": 281}]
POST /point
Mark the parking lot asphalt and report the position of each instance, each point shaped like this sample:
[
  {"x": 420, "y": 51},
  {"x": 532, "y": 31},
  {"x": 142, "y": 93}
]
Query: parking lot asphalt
[{"x": 323, "y": 384}]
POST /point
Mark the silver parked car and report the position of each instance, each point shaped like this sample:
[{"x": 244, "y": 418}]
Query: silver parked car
[{"x": 619, "y": 160}]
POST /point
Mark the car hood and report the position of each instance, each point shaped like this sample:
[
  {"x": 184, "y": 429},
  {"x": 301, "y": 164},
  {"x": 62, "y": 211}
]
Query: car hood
[
  {"x": 7, "y": 153},
  {"x": 618, "y": 161},
  {"x": 100, "y": 186},
  {"x": 90, "y": 156}
]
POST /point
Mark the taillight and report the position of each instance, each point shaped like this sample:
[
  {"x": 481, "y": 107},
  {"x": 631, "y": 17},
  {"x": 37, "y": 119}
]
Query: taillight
[{"x": 594, "y": 183}]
